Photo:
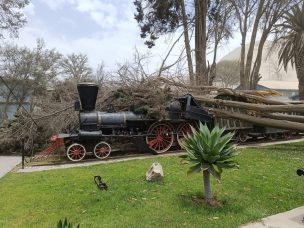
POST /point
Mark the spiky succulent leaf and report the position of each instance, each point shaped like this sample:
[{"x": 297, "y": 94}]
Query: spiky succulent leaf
[
  {"x": 210, "y": 150},
  {"x": 215, "y": 173},
  {"x": 194, "y": 169}
]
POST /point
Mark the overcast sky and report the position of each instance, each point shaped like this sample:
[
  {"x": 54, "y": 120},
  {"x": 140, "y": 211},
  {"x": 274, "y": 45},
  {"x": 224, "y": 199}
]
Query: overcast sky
[{"x": 105, "y": 30}]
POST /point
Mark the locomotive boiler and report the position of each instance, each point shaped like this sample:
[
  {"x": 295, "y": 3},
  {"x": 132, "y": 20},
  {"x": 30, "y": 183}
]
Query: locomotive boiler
[{"x": 97, "y": 130}]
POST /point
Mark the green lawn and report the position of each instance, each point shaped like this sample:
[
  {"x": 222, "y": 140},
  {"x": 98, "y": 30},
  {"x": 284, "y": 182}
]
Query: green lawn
[{"x": 265, "y": 184}]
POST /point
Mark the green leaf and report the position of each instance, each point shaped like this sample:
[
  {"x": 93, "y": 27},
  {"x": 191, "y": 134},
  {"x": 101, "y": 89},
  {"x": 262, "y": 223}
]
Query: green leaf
[
  {"x": 184, "y": 156},
  {"x": 194, "y": 169},
  {"x": 65, "y": 224},
  {"x": 209, "y": 150},
  {"x": 214, "y": 173},
  {"x": 227, "y": 164},
  {"x": 212, "y": 159},
  {"x": 59, "y": 225},
  {"x": 205, "y": 166}
]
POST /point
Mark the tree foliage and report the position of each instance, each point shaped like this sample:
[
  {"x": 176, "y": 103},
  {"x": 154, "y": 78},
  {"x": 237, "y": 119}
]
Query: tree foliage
[
  {"x": 11, "y": 17},
  {"x": 291, "y": 41},
  {"x": 76, "y": 66},
  {"x": 26, "y": 71},
  {"x": 258, "y": 17},
  {"x": 292, "y": 37},
  {"x": 157, "y": 17},
  {"x": 227, "y": 73},
  {"x": 208, "y": 21}
]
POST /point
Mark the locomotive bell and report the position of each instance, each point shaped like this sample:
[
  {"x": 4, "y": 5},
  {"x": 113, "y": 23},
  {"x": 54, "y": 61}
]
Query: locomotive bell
[{"x": 88, "y": 94}]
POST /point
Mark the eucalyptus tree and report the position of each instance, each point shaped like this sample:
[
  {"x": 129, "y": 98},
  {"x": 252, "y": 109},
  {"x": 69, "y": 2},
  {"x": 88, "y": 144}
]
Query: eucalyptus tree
[
  {"x": 221, "y": 22},
  {"x": 159, "y": 17},
  {"x": 256, "y": 16}
]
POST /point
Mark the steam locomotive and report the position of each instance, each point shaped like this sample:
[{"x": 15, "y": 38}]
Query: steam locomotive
[{"x": 97, "y": 131}]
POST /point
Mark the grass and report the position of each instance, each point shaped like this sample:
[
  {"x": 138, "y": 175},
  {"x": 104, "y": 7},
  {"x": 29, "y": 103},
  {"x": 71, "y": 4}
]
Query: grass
[{"x": 265, "y": 184}]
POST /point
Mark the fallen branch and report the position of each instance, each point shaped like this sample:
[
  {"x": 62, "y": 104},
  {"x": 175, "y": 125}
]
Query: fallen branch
[
  {"x": 281, "y": 124},
  {"x": 293, "y": 118},
  {"x": 247, "y": 95},
  {"x": 254, "y": 107}
]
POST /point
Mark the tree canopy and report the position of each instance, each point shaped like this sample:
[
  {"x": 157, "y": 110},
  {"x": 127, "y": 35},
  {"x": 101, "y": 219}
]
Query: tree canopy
[{"x": 11, "y": 17}]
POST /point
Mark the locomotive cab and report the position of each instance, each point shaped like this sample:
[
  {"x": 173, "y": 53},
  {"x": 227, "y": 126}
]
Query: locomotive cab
[{"x": 187, "y": 108}]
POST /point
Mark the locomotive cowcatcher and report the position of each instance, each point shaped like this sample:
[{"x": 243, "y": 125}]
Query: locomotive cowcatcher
[{"x": 97, "y": 131}]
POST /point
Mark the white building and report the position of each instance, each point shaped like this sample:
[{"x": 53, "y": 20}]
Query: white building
[{"x": 273, "y": 76}]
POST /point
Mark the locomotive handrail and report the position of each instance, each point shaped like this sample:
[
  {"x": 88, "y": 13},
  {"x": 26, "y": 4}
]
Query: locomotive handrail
[{"x": 74, "y": 129}]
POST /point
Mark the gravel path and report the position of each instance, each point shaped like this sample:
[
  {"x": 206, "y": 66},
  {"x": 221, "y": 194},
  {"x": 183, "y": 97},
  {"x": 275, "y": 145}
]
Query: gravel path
[
  {"x": 89, "y": 163},
  {"x": 7, "y": 163}
]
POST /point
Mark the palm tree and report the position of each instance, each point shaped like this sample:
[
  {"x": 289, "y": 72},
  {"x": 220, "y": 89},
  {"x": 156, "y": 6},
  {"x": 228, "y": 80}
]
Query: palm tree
[
  {"x": 291, "y": 43},
  {"x": 209, "y": 152}
]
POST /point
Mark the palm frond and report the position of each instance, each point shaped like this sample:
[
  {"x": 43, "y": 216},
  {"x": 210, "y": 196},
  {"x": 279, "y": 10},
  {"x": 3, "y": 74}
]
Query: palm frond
[{"x": 292, "y": 37}]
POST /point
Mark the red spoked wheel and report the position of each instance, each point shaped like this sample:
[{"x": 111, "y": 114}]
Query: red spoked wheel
[
  {"x": 76, "y": 152},
  {"x": 182, "y": 130},
  {"x": 102, "y": 150},
  {"x": 160, "y": 137}
]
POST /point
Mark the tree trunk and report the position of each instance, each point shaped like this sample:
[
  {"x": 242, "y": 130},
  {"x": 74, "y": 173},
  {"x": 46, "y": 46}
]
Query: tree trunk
[
  {"x": 281, "y": 124},
  {"x": 299, "y": 64},
  {"x": 252, "y": 43},
  {"x": 243, "y": 20},
  {"x": 212, "y": 74},
  {"x": 243, "y": 81},
  {"x": 6, "y": 105},
  {"x": 207, "y": 186},
  {"x": 254, "y": 98},
  {"x": 251, "y": 106},
  {"x": 292, "y": 118},
  {"x": 254, "y": 78},
  {"x": 213, "y": 66},
  {"x": 200, "y": 42},
  {"x": 187, "y": 43}
]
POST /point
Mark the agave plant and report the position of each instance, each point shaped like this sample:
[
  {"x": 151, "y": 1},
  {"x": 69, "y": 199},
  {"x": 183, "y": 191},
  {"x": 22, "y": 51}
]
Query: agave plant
[
  {"x": 209, "y": 153},
  {"x": 65, "y": 224}
]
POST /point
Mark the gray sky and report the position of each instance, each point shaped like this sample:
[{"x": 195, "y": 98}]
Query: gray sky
[{"x": 105, "y": 30}]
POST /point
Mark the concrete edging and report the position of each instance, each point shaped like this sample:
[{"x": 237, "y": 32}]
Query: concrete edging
[{"x": 65, "y": 166}]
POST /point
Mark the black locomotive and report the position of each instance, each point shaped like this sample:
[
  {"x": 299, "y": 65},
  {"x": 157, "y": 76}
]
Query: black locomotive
[{"x": 97, "y": 131}]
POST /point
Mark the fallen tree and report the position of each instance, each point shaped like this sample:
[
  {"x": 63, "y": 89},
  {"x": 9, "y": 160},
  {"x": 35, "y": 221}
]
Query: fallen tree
[
  {"x": 299, "y": 108},
  {"x": 260, "y": 121}
]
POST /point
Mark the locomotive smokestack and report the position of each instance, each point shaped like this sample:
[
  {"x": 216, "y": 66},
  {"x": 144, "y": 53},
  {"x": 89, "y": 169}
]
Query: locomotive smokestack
[{"x": 88, "y": 95}]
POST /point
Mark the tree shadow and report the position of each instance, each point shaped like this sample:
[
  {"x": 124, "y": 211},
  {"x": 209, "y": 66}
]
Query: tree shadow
[{"x": 196, "y": 200}]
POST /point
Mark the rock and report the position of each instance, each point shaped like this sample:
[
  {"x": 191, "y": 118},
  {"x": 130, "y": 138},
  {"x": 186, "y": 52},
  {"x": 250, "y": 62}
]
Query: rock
[{"x": 155, "y": 173}]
